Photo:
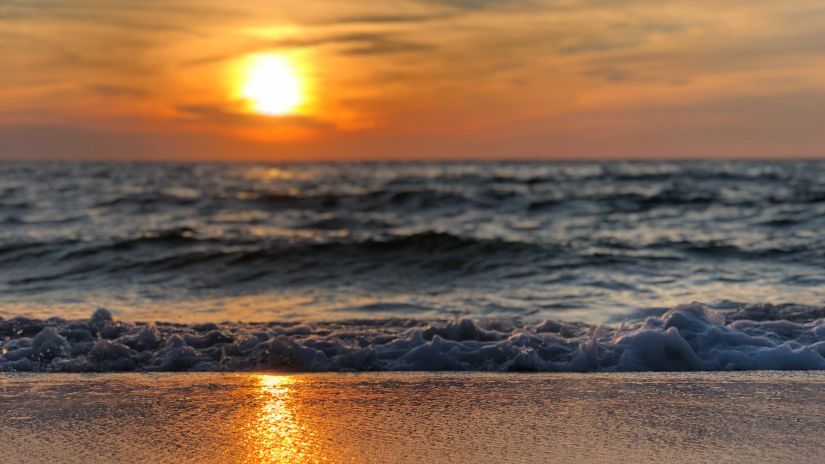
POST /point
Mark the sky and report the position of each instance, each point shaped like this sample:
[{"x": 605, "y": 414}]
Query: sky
[{"x": 411, "y": 79}]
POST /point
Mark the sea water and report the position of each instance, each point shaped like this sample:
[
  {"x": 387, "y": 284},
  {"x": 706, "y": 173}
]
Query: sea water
[{"x": 411, "y": 266}]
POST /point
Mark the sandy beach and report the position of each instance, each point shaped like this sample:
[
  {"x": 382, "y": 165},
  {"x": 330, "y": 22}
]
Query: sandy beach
[{"x": 412, "y": 417}]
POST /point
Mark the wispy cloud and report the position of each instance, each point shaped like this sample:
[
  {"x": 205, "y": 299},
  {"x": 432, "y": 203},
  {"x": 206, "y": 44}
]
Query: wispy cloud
[
  {"x": 215, "y": 114},
  {"x": 142, "y": 16},
  {"x": 108, "y": 90},
  {"x": 463, "y": 71},
  {"x": 476, "y": 4},
  {"x": 355, "y": 43},
  {"x": 390, "y": 19}
]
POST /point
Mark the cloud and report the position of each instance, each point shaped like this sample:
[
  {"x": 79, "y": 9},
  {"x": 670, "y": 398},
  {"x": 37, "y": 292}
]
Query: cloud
[
  {"x": 107, "y": 90},
  {"x": 386, "y": 47},
  {"x": 135, "y": 16},
  {"x": 359, "y": 43},
  {"x": 367, "y": 42},
  {"x": 218, "y": 115},
  {"x": 436, "y": 68},
  {"x": 388, "y": 19},
  {"x": 473, "y": 4}
]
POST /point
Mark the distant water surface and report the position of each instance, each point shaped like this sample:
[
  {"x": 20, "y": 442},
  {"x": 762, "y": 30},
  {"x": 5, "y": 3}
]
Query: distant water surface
[{"x": 591, "y": 242}]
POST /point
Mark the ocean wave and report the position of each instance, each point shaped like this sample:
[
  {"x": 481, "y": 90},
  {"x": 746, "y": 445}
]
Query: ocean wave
[
  {"x": 146, "y": 200},
  {"x": 194, "y": 259},
  {"x": 579, "y": 240},
  {"x": 176, "y": 249},
  {"x": 684, "y": 338},
  {"x": 370, "y": 200}
]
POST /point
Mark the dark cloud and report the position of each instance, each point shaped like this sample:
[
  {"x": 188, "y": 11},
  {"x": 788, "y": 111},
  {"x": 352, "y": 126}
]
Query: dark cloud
[
  {"x": 596, "y": 45},
  {"x": 388, "y": 19},
  {"x": 219, "y": 115},
  {"x": 136, "y": 16},
  {"x": 377, "y": 42},
  {"x": 116, "y": 90},
  {"x": 471, "y": 5},
  {"x": 360, "y": 43},
  {"x": 618, "y": 36},
  {"x": 385, "y": 47},
  {"x": 609, "y": 74}
]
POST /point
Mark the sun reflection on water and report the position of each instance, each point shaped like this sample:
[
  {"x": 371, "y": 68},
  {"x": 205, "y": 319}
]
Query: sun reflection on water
[{"x": 277, "y": 434}]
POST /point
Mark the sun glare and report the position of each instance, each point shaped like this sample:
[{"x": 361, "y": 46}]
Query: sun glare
[{"x": 272, "y": 85}]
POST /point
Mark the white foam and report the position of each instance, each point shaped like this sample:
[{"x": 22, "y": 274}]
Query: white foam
[{"x": 687, "y": 337}]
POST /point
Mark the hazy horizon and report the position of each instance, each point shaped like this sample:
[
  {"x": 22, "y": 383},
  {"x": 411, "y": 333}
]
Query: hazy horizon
[{"x": 107, "y": 159}]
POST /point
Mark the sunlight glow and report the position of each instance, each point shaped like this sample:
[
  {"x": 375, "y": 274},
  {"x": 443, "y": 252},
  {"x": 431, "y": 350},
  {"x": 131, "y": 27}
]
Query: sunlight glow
[
  {"x": 278, "y": 435},
  {"x": 272, "y": 85}
]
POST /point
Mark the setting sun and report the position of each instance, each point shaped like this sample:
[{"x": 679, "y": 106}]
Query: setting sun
[{"x": 272, "y": 86}]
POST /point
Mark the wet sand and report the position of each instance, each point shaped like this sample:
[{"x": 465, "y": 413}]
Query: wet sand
[{"x": 413, "y": 417}]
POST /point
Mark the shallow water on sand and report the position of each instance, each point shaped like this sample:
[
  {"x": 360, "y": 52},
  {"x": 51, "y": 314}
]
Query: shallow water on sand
[{"x": 412, "y": 417}]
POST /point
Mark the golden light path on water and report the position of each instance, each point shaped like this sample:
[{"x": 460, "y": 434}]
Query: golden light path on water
[
  {"x": 412, "y": 417},
  {"x": 277, "y": 435}
]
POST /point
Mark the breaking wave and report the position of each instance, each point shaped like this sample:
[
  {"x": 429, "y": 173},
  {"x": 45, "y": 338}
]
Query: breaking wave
[{"x": 684, "y": 338}]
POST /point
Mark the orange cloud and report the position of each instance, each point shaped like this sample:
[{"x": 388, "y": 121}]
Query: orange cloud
[{"x": 416, "y": 79}]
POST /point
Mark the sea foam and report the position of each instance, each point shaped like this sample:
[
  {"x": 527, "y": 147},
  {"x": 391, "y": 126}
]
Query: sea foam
[{"x": 687, "y": 337}]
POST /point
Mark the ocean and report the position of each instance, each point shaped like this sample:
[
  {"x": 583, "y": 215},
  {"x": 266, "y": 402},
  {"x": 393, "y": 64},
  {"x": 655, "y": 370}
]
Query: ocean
[{"x": 580, "y": 266}]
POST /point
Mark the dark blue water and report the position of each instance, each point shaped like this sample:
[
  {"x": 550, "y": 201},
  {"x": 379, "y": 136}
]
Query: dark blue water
[{"x": 310, "y": 242}]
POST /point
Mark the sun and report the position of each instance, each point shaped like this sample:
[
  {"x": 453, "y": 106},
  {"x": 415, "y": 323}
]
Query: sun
[{"x": 272, "y": 85}]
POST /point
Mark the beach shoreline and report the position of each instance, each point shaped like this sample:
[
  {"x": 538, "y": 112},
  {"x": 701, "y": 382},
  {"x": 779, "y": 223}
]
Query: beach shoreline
[{"x": 762, "y": 416}]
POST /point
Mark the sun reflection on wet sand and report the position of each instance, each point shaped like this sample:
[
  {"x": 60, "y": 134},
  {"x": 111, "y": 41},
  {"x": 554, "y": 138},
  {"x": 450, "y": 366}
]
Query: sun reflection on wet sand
[
  {"x": 277, "y": 434},
  {"x": 413, "y": 417}
]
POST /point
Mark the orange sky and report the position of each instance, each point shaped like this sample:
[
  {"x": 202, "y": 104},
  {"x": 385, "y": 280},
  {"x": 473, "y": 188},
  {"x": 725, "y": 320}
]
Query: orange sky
[{"x": 427, "y": 79}]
